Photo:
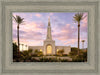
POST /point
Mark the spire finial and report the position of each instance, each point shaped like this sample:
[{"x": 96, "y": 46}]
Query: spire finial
[{"x": 49, "y": 21}]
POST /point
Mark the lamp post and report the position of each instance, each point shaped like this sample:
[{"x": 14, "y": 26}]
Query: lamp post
[{"x": 83, "y": 43}]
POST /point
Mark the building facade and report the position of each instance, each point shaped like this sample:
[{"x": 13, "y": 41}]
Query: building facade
[{"x": 49, "y": 47}]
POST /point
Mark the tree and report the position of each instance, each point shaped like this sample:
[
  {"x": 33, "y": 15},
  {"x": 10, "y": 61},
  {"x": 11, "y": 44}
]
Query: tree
[
  {"x": 19, "y": 21},
  {"x": 77, "y": 18},
  {"x": 60, "y": 52},
  {"x": 15, "y": 51},
  {"x": 81, "y": 58},
  {"x": 30, "y": 51},
  {"x": 25, "y": 55},
  {"x": 78, "y": 58},
  {"x": 38, "y": 53},
  {"x": 73, "y": 52}
]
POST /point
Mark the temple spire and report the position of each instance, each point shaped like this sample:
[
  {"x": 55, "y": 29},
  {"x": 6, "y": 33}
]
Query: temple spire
[
  {"x": 49, "y": 21},
  {"x": 49, "y": 36}
]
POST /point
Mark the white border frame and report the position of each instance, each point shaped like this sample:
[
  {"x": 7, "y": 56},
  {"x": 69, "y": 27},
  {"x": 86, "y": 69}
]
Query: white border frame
[{"x": 47, "y": 68}]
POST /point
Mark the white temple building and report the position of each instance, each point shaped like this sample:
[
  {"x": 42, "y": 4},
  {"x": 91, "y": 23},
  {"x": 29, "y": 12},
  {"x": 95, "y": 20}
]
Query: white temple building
[{"x": 49, "y": 47}]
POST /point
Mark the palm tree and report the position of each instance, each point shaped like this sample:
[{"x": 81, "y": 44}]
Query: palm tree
[
  {"x": 19, "y": 21},
  {"x": 77, "y": 18}
]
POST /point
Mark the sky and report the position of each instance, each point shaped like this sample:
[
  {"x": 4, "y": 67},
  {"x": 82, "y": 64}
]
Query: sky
[{"x": 63, "y": 28}]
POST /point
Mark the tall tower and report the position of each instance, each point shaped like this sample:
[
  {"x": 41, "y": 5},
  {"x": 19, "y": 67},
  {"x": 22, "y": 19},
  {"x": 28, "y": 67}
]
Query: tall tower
[
  {"x": 49, "y": 44},
  {"x": 49, "y": 36}
]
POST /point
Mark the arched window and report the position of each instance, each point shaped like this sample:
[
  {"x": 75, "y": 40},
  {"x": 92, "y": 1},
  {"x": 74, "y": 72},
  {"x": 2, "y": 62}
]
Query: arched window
[
  {"x": 49, "y": 49},
  {"x": 57, "y": 51}
]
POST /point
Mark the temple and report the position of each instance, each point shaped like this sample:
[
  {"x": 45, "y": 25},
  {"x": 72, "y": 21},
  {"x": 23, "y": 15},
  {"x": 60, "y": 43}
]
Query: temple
[{"x": 49, "y": 47}]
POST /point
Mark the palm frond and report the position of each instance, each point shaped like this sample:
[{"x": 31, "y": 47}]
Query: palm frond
[
  {"x": 78, "y": 17},
  {"x": 14, "y": 18},
  {"x": 18, "y": 19}
]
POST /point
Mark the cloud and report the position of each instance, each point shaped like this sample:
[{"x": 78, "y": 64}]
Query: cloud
[
  {"x": 38, "y": 15},
  {"x": 33, "y": 32},
  {"x": 30, "y": 42},
  {"x": 27, "y": 16},
  {"x": 70, "y": 41},
  {"x": 68, "y": 33},
  {"x": 64, "y": 33},
  {"x": 30, "y": 31},
  {"x": 84, "y": 27},
  {"x": 51, "y": 14}
]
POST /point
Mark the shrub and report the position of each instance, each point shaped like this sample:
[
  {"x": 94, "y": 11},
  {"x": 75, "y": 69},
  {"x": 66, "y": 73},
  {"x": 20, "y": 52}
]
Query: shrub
[
  {"x": 80, "y": 58},
  {"x": 65, "y": 55},
  {"x": 60, "y": 52}
]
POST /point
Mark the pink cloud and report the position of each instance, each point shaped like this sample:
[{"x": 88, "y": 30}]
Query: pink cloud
[
  {"x": 64, "y": 33},
  {"x": 67, "y": 25},
  {"x": 32, "y": 26},
  {"x": 84, "y": 24},
  {"x": 51, "y": 14},
  {"x": 38, "y": 15},
  {"x": 24, "y": 15},
  {"x": 71, "y": 41},
  {"x": 85, "y": 20},
  {"x": 68, "y": 32},
  {"x": 32, "y": 31},
  {"x": 30, "y": 42}
]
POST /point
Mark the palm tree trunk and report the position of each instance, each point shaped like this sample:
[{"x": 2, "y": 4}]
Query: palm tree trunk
[
  {"x": 18, "y": 39},
  {"x": 78, "y": 38}
]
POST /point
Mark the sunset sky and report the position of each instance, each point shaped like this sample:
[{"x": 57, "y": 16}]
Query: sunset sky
[{"x": 64, "y": 29}]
